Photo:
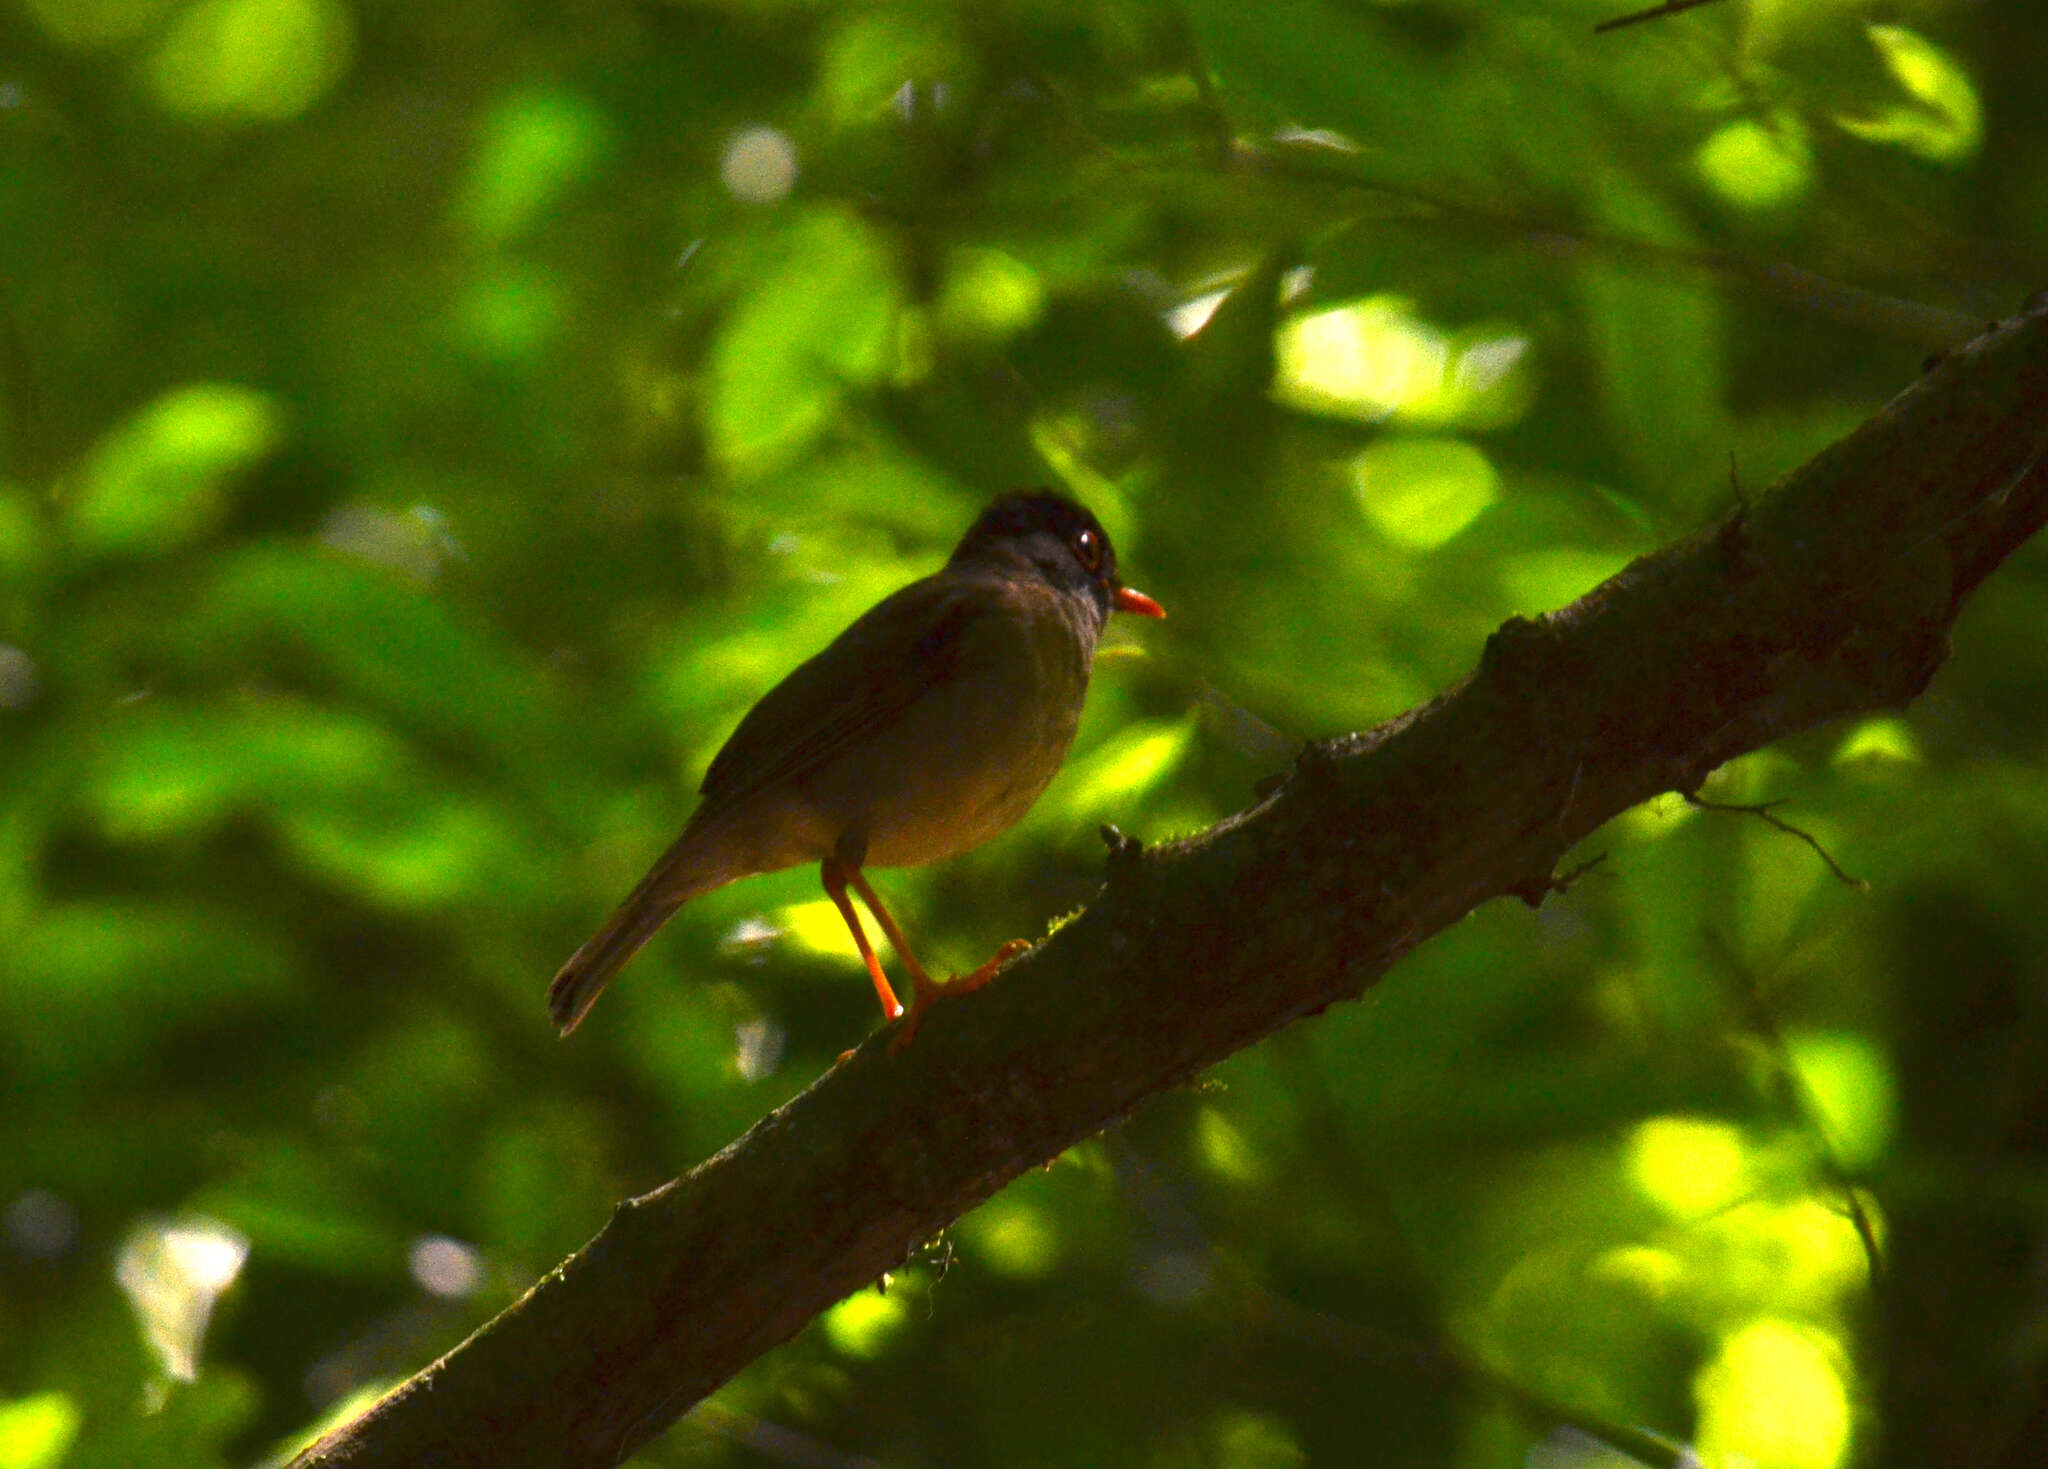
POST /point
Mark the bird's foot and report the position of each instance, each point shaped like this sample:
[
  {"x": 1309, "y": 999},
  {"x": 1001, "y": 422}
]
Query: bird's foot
[{"x": 927, "y": 992}]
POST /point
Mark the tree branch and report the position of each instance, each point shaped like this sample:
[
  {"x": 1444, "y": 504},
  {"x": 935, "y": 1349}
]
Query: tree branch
[{"x": 1832, "y": 595}]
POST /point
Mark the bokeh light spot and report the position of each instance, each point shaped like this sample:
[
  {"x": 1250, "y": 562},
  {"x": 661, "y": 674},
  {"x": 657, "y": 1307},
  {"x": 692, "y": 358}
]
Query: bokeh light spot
[
  {"x": 445, "y": 1267},
  {"x": 1377, "y": 359},
  {"x": 173, "y": 1274},
  {"x": 759, "y": 165}
]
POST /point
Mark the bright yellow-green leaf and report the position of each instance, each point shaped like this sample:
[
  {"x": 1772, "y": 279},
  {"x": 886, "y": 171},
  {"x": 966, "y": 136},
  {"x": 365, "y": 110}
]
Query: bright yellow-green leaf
[
  {"x": 819, "y": 320},
  {"x": 161, "y": 479},
  {"x": 1850, "y": 1081},
  {"x": 988, "y": 296},
  {"x": 261, "y": 60},
  {"x": 1757, "y": 165},
  {"x": 1689, "y": 1165},
  {"x": 817, "y": 927},
  {"x": 1942, "y": 120},
  {"x": 1542, "y": 581},
  {"x": 1774, "y": 1397},
  {"x": 1128, "y": 765},
  {"x": 1884, "y": 740},
  {"x": 37, "y": 1432},
  {"x": 862, "y": 1325},
  {"x": 1376, "y": 359},
  {"x": 1421, "y": 492},
  {"x": 1226, "y": 1151}
]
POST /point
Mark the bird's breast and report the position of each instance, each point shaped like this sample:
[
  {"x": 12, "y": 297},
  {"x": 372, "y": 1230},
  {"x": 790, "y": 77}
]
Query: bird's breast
[{"x": 983, "y": 750}]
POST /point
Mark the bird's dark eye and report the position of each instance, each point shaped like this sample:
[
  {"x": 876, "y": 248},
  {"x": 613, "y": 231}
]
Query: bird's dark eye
[{"x": 1088, "y": 548}]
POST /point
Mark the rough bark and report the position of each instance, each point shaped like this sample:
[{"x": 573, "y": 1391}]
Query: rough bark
[{"x": 1832, "y": 594}]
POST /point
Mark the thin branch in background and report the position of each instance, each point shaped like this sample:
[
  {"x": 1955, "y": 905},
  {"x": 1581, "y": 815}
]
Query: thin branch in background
[
  {"x": 775, "y": 1442},
  {"x": 1441, "y": 1364},
  {"x": 1762, "y": 812},
  {"x": 1798, "y": 1096},
  {"x": 1669, "y": 7},
  {"x": 1314, "y": 162}
]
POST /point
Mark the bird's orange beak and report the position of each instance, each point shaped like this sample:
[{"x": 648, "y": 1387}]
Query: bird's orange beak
[{"x": 1129, "y": 599}]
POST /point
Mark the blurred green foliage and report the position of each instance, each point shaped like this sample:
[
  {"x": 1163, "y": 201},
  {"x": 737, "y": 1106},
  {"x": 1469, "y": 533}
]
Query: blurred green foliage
[{"x": 424, "y": 430}]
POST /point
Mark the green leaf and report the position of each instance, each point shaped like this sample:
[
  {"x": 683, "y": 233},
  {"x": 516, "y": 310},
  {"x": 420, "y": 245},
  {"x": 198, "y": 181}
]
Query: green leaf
[
  {"x": 1421, "y": 492},
  {"x": 1659, "y": 344},
  {"x": 161, "y": 479},
  {"x": 819, "y": 319},
  {"x": 1942, "y": 120},
  {"x": 535, "y": 148},
  {"x": 94, "y": 987}
]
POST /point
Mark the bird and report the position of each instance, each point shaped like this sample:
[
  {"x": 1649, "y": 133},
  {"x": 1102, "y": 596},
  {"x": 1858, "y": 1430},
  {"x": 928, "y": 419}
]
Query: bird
[{"x": 926, "y": 728}]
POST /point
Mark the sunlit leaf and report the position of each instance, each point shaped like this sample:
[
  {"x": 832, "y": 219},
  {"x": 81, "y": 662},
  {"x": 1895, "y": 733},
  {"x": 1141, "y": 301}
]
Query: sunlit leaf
[
  {"x": 265, "y": 60},
  {"x": 864, "y": 1324},
  {"x": 1943, "y": 120},
  {"x": 1120, "y": 771},
  {"x": 817, "y": 321},
  {"x": 1422, "y": 492},
  {"x": 1850, "y": 1081},
  {"x": 37, "y": 1432},
  {"x": 1885, "y": 740},
  {"x": 1689, "y": 1165},
  {"x": 1775, "y": 1396},
  {"x": 1758, "y": 165},
  {"x": 1375, "y": 360},
  {"x": 163, "y": 477}
]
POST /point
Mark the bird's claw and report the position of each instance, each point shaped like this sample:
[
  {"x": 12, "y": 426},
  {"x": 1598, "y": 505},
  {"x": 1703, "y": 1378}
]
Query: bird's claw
[{"x": 927, "y": 992}]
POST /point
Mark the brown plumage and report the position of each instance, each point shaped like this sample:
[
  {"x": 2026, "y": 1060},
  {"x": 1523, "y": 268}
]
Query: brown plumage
[{"x": 926, "y": 728}]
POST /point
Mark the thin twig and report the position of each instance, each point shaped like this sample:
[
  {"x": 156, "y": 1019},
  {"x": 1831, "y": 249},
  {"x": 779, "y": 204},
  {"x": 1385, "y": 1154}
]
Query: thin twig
[
  {"x": 1763, "y": 1021},
  {"x": 1669, "y": 7},
  {"x": 1762, "y": 812}
]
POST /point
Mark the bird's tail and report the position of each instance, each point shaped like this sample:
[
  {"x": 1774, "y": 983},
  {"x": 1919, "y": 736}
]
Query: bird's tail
[
  {"x": 685, "y": 871},
  {"x": 591, "y": 967}
]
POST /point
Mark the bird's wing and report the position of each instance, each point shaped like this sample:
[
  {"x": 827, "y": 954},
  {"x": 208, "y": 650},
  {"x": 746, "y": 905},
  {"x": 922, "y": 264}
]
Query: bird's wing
[{"x": 899, "y": 650}]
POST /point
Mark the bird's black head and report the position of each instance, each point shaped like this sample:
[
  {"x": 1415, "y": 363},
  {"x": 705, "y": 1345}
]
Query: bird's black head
[{"x": 1062, "y": 539}]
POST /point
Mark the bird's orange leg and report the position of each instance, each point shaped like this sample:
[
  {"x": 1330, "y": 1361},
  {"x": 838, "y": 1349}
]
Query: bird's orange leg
[
  {"x": 835, "y": 877},
  {"x": 926, "y": 991}
]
